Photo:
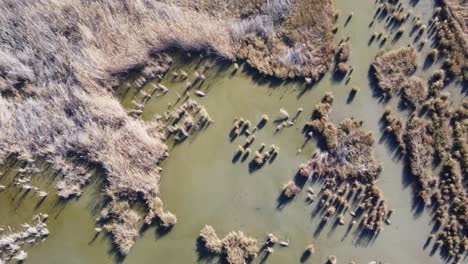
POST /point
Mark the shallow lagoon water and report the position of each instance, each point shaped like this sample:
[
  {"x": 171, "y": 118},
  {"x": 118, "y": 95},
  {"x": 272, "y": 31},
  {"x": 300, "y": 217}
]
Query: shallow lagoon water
[{"x": 201, "y": 184}]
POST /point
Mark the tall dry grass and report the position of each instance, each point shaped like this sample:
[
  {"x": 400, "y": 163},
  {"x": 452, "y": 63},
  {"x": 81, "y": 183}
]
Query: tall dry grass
[{"x": 58, "y": 60}]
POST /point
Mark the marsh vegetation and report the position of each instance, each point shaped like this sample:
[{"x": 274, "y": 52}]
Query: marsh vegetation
[{"x": 63, "y": 64}]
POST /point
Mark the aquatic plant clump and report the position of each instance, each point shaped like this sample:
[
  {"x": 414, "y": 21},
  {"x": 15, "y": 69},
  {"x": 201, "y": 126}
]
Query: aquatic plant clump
[
  {"x": 290, "y": 189},
  {"x": 13, "y": 244},
  {"x": 235, "y": 246},
  {"x": 415, "y": 91},
  {"x": 320, "y": 122},
  {"x": 352, "y": 158},
  {"x": 122, "y": 224},
  {"x": 393, "y": 68},
  {"x": 211, "y": 241},
  {"x": 348, "y": 168},
  {"x": 450, "y": 26},
  {"x": 292, "y": 44}
]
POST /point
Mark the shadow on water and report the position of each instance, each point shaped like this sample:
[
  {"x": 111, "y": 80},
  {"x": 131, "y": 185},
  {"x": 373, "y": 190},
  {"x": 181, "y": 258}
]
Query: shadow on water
[
  {"x": 203, "y": 253},
  {"x": 373, "y": 84}
]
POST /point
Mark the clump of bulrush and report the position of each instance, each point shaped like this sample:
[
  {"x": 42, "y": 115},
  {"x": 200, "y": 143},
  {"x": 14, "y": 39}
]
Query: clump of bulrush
[
  {"x": 247, "y": 152},
  {"x": 167, "y": 219},
  {"x": 359, "y": 168},
  {"x": 415, "y": 91},
  {"x": 274, "y": 150},
  {"x": 394, "y": 67},
  {"x": 290, "y": 189},
  {"x": 183, "y": 74},
  {"x": 310, "y": 249},
  {"x": 263, "y": 120},
  {"x": 332, "y": 259},
  {"x": 319, "y": 122},
  {"x": 258, "y": 159},
  {"x": 394, "y": 126},
  {"x": 235, "y": 246},
  {"x": 211, "y": 241},
  {"x": 342, "y": 68},
  {"x": 271, "y": 240},
  {"x": 341, "y": 219},
  {"x": 284, "y": 113},
  {"x": 249, "y": 140},
  {"x": 400, "y": 31},
  {"x": 433, "y": 54},
  {"x": 240, "y": 150},
  {"x": 344, "y": 51}
]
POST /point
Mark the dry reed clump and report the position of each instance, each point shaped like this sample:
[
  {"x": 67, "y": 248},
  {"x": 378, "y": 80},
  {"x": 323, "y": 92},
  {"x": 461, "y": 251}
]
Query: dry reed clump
[
  {"x": 395, "y": 127},
  {"x": 352, "y": 158},
  {"x": 420, "y": 151},
  {"x": 320, "y": 122},
  {"x": 155, "y": 211},
  {"x": 291, "y": 42},
  {"x": 460, "y": 135},
  {"x": 347, "y": 168},
  {"x": 451, "y": 27},
  {"x": 235, "y": 246},
  {"x": 59, "y": 60},
  {"x": 122, "y": 224},
  {"x": 393, "y": 68},
  {"x": 211, "y": 241},
  {"x": 453, "y": 211},
  {"x": 415, "y": 91},
  {"x": 12, "y": 245},
  {"x": 350, "y": 169},
  {"x": 186, "y": 119},
  {"x": 344, "y": 50},
  {"x": 439, "y": 127},
  {"x": 290, "y": 189}
]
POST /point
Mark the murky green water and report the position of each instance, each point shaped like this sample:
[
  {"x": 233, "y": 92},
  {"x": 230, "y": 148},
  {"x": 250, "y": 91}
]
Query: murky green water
[{"x": 202, "y": 185}]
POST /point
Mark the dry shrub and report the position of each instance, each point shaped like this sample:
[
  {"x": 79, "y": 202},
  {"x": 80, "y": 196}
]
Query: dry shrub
[
  {"x": 235, "y": 246},
  {"x": 415, "y": 91},
  {"x": 393, "y": 68}
]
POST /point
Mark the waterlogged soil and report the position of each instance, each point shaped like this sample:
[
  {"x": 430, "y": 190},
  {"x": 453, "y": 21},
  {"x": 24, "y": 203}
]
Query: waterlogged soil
[{"x": 202, "y": 184}]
